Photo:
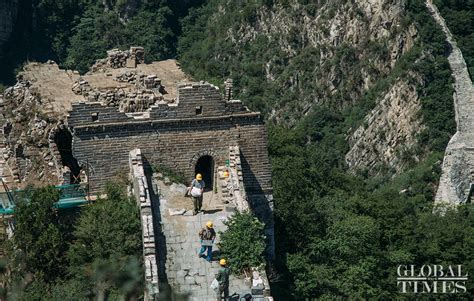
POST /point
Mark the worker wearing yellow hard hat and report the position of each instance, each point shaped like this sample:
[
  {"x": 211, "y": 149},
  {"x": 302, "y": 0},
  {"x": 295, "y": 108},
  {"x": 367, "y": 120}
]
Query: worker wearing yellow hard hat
[
  {"x": 196, "y": 190},
  {"x": 207, "y": 235},
  {"x": 222, "y": 277}
]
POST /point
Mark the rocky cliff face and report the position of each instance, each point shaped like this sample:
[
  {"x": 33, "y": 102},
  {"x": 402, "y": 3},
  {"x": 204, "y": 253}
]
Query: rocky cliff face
[
  {"x": 389, "y": 131},
  {"x": 334, "y": 53},
  {"x": 355, "y": 43},
  {"x": 8, "y": 11}
]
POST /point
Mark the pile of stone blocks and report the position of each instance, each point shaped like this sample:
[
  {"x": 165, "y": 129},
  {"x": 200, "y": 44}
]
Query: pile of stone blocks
[
  {"x": 152, "y": 82},
  {"x": 110, "y": 98},
  {"x": 146, "y": 95},
  {"x": 139, "y": 101},
  {"x": 117, "y": 58},
  {"x": 81, "y": 87},
  {"x": 149, "y": 82},
  {"x": 127, "y": 77}
]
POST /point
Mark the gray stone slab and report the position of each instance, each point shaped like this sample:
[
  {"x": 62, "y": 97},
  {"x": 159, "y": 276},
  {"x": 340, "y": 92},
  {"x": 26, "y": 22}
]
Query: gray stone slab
[{"x": 189, "y": 280}]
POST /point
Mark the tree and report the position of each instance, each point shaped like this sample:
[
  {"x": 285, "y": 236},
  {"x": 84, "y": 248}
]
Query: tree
[
  {"x": 106, "y": 253},
  {"x": 96, "y": 33},
  {"x": 150, "y": 29},
  {"x": 38, "y": 234},
  {"x": 243, "y": 243}
]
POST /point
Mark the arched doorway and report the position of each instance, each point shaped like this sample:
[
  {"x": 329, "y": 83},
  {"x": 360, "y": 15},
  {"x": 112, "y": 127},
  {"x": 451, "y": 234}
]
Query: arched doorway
[
  {"x": 205, "y": 166},
  {"x": 63, "y": 140}
]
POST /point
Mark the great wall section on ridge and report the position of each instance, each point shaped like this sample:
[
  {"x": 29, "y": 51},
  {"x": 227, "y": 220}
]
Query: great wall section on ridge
[
  {"x": 128, "y": 119},
  {"x": 457, "y": 178}
]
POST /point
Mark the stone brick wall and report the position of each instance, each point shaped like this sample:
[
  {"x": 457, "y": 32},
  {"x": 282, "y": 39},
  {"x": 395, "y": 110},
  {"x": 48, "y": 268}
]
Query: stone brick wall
[
  {"x": 103, "y": 136},
  {"x": 141, "y": 192},
  {"x": 175, "y": 144},
  {"x": 456, "y": 182},
  {"x": 194, "y": 100},
  {"x": 232, "y": 185},
  {"x": 94, "y": 112},
  {"x": 204, "y": 95},
  {"x": 175, "y": 137}
]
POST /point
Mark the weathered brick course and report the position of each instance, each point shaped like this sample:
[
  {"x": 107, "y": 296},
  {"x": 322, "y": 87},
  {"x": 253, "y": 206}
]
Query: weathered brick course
[{"x": 172, "y": 136}]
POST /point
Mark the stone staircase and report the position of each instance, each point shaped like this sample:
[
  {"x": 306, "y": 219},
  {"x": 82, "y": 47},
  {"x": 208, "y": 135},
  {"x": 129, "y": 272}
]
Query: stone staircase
[{"x": 184, "y": 271}]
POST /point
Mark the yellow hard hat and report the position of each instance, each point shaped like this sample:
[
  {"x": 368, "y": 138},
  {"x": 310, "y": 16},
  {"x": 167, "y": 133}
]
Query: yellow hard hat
[
  {"x": 209, "y": 224},
  {"x": 199, "y": 177},
  {"x": 222, "y": 262}
]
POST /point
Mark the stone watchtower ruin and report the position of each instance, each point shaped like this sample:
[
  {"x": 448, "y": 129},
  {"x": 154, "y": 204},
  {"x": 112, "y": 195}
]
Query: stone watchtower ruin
[{"x": 198, "y": 132}]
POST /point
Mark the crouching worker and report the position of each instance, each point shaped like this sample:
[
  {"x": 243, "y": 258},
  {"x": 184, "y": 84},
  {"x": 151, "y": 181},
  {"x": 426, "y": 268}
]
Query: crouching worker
[
  {"x": 207, "y": 235},
  {"x": 222, "y": 277}
]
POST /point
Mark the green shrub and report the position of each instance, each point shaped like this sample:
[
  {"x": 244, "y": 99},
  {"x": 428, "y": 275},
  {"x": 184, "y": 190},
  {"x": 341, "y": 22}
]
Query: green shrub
[
  {"x": 77, "y": 254},
  {"x": 243, "y": 243},
  {"x": 38, "y": 234}
]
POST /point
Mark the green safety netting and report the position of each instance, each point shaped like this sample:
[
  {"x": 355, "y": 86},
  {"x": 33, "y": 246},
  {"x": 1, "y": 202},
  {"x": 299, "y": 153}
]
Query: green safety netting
[{"x": 71, "y": 195}]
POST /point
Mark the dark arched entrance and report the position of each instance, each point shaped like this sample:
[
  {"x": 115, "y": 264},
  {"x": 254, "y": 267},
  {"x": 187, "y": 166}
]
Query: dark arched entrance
[
  {"x": 63, "y": 140},
  {"x": 205, "y": 166}
]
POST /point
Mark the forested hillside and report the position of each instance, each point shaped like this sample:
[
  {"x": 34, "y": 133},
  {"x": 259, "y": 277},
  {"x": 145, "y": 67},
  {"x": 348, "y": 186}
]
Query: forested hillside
[
  {"x": 353, "y": 191},
  {"x": 71, "y": 256},
  {"x": 338, "y": 234},
  {"x": 76, "y": 33}
]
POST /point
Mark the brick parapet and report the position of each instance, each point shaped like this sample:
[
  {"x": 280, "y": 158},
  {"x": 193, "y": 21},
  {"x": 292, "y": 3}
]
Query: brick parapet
[
  {"x": 142, "y": 195},
  {"x": 195, "y": 100},
  {"x": 232, "y": 185}
]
